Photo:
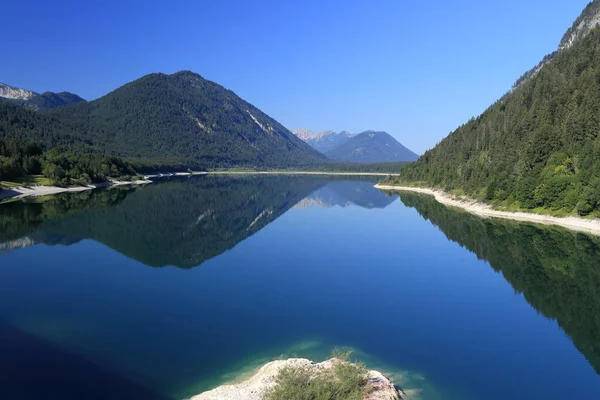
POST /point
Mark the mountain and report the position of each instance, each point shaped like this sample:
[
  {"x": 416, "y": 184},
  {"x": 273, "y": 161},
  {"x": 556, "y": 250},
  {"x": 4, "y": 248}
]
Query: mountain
[
  {"x": 371, "y": 147},
  {"x": 539, "y": 145},
  {"x": 35, "y": 101},
  {"x": 48, "y": 100},
  {"x": 322, "y": 141},
  {"x": 183, "y": 119},
  {"x": 584, "y": 24},
  {"x": 13, "y": 94},
  {"x": 20, "y": 124}
]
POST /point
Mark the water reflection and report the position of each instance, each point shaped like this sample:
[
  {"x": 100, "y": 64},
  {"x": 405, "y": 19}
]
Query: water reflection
[
  {"x": 347, "y": 193},
  {"x": 181, "y": 222},
  {"x": 557, "y": 271}
]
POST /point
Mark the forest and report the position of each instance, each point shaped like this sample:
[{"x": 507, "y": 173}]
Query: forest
[
  {"x": 19, "y": 159},
  {"x": 538, "y": 147}
]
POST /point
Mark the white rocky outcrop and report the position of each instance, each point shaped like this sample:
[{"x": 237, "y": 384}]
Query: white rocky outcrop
[
  {"x": 588, "y": 20},
  {"x": 253, "y": 389},
  {"x": 306, "y": 134},
  {"x": 11, "y": 92}
]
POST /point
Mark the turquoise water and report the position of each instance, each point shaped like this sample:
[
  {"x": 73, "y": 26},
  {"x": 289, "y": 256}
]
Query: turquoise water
[{"x": 171, "y": 289}]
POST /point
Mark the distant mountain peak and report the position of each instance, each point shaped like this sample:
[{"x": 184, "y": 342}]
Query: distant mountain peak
[
  {"x": 48, "y": 100},
  {"x": 324, "y": 141},
  {"x": 35, "y": 101},
  {"x": 15, "y": 93},
  {"x": 368, "y": 146},
  {"x": 372, "y": 147},
  {"x": 306, "y": 134}
]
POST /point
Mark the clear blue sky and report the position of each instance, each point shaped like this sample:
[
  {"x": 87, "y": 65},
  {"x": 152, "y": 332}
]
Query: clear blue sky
[{"x": 416, "y": 69}]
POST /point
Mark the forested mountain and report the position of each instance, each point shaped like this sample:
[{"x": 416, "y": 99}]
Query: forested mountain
[
  {"x": 366, "y": 147},
  {"x": 371, "y": 147},
  {"x": 18, "y": 123},
  {"x": 48, "y": 100},
  {"x": 539, "y": 145},
  {"x": 183, "y": 119},
  {"x": 35, "y": 101},
  {"x": 323, "y": 141},
  {"x": 32, "y": 143}
]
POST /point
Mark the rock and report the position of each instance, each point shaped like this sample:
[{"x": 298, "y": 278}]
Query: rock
[{"x": 264, "y": 379}]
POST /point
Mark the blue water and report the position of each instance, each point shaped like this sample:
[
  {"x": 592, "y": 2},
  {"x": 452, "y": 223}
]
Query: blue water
[{"x": 347, "y": 266}]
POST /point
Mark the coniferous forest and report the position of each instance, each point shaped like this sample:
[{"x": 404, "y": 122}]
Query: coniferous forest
[{"x": 536, "y": 147}]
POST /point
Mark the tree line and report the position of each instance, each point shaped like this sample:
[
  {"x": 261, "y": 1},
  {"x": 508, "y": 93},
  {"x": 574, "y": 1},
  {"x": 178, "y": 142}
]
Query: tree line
[
  {"x": 18, "y": 159},
  {"x": 536, "y": 147}
]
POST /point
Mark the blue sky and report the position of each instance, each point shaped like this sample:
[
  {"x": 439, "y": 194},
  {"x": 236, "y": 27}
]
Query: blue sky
[{"x": 416, "y": 69}]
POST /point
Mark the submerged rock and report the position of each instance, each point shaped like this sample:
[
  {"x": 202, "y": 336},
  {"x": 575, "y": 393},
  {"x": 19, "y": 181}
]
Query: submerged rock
[{"x": 253, "y": 388}]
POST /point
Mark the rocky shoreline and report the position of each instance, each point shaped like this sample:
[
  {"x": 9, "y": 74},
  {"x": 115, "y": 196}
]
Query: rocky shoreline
[
  {"x": 484, "y": 210},
  {"x": 380, "y": 387},
  {"x": 35, "y": 191}
]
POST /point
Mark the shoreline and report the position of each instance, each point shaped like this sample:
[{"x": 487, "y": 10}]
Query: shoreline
[
  {"x": 486, "y": 211},
  {"x": 333, "y": 173},
  {"x": 37, "y": 191},
  {"x": 294, "y": 173},
  {"x": 21, "y": 192}
]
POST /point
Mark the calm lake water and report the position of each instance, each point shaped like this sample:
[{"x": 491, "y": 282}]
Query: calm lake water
[{"x": 165, "y": 291}]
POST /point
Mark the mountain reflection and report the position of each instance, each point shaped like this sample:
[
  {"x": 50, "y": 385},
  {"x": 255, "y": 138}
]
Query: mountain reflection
[
  {"x": 347, "y": 193},
  {"x": 557, "y": 271},
  {"x": 181, "y": 222}
]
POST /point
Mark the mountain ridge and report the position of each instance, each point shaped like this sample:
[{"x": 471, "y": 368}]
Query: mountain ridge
[
  {"x": 49, "y": 100},
  {"x": 583, "y": 25},
  {"x": 347, "y": 147},
  {"x": 372, "y": 146},
  {"x": 184, "y": 119},
  {"x": 323, "y": 141},
  {"x": 15, "y": 93},
  {"x": 36, "y": 101},
  {"x": 536, "y": 147}
]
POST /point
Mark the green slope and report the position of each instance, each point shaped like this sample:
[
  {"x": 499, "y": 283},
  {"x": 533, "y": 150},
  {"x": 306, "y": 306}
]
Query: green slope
[
  {"x": 185, "y": 119},
  {"x": 48, "y": 100},
  {"x": 538, "y": 146}
]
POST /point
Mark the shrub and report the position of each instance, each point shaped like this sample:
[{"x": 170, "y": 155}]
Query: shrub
[{"x": 344, "y": 381}]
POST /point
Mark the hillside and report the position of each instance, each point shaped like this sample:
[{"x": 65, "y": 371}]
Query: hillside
[
  {"x": 325, "y": 141},
  {"x": 36, "y": 144},
  {"x": 23, "y": 125},
  {"x": 371, "y": 147},
  {"x": 183, "y": 119},
  {"x": 35, "y": 101},
  {"x": 48, "y": 100},
  {"x": 538, "y": 146}
]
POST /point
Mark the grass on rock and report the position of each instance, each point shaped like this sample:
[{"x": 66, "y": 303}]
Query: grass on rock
[{"x": 345, "y": 381}]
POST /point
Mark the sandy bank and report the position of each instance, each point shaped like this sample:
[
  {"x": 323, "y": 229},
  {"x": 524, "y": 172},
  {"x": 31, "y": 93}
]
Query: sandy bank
[
  {"x": 36, "y": 191},
  {"x": 485, "y": 210},
  {"x": 264, "y": 379}
]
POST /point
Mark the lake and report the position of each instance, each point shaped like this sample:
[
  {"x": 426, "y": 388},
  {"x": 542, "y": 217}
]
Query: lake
[{"x": 167, "y": 290}]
